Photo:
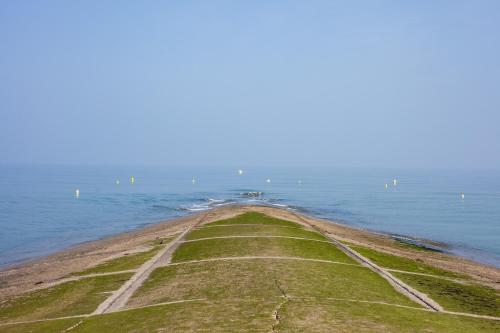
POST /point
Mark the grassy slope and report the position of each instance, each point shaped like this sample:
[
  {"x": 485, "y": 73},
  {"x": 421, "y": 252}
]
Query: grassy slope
[
  {"x": 131, "y": 261},
  {"x": 253, "y": 230},
  {"x": 259, "y": 279},
  {"x": 401, "y": 263},
  {"x": 243, "y": 295},
  {"x": 232, "y": 247},
  {"x": 255, "y": 218},
  {"x": 124, "y": 263},
  {"x": 453, "y": 296},
  {"x": 71, "y": 298},
  {"x": 41, "y": 327},
  {"x": 254, "y": 316},
  {"x": 236, "y": 316},
  {"x": 341, "y": 316}
]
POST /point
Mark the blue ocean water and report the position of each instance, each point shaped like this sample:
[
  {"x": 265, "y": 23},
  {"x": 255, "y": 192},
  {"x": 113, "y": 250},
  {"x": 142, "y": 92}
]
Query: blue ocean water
[{"x": 40, "y": 214}]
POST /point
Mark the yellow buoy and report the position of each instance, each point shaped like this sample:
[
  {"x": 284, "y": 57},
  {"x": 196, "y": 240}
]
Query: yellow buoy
[{"x": 132, "y": 180}]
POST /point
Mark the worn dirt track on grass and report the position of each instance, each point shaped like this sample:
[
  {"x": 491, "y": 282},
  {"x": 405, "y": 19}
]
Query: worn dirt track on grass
[
  {"x": 83, "y": 316},
  {"x": 256, "y": 236},
  {"x": 463, "y": 281},
  {"x": 93, "y": 314},
  {"x": 258, "y": 257},
  {"x": 119, "y": 298},
  {"x": 249, "y": 224},
  {"x": 80, "y": 277}
]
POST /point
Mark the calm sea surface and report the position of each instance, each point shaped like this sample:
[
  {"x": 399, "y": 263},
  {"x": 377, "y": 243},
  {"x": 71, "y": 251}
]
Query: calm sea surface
[{"x": 40, "y": 214}]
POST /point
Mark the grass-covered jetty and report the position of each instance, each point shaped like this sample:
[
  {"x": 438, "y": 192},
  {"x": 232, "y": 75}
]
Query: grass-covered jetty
[{"x": 250, "y": 269}]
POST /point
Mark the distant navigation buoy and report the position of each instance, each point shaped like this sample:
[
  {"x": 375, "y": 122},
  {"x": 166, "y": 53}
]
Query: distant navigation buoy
[
  {"x": 462, "y": 195},
  {"x": 386, "y": 185},
  {"x": 240, "y": 172},
  {"x": 132, "y": 180},
  {"x": 395, "y": 182},
  {"x": 193, "y": 180},
  {"x": 268, "y": 180},
  {"x": 117, "y": 182},
  {"x": 77, "y": 193}
]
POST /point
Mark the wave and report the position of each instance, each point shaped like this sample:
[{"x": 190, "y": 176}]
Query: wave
[
  {"x": 216, "y": 200},
  {"x": 243, "y": 196},
  {"x": 206, "y": 205}
]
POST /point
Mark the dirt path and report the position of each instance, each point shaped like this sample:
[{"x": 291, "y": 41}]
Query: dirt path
[
  {"x": 256, "y": 236},
  {"x": 429, "y": 275},
  {"x": 119, "y": 298},
  {"x": 249, "y": 224},
  {"x": 78, "y": 277},
  {"x": 94, "y": 314},
  {"x": 289, "y": 298},
  {"x": 399, "y": 285},
  {"x": 259, "y": 257}
]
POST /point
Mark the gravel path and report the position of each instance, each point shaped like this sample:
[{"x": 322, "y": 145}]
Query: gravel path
[{"x": 120, "y": 297}]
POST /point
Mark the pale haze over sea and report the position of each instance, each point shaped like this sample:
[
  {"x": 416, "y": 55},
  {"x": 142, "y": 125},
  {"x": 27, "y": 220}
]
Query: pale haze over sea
[{"x": 362, "y": 91}]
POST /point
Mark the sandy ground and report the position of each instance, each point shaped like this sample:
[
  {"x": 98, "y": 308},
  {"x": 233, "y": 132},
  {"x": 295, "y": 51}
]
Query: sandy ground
[{"x": 46, "y": 270}]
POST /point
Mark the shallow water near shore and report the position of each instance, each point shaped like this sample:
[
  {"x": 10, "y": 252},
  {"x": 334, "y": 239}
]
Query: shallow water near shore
[{"x": 40, "y": 213}]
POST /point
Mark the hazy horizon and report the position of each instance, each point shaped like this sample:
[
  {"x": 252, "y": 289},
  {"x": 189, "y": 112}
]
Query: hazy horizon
[
  {"x": 347, "y": 84},
  {"x": 235, "y": 167}
]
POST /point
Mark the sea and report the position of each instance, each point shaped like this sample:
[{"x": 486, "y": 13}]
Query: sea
[{"x": 41, "y": 212}]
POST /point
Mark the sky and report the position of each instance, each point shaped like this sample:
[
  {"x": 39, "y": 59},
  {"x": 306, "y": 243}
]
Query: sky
[{"x": 397, "y": 84}]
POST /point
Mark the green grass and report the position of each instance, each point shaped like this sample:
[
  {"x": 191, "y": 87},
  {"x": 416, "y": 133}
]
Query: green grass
[
  {"x": 41, "y": 327},
  {"x": 453, "y": 296},
  {"x": 253, "y": 230},
  {"x": 124, "y": 263},
  {"x": 236, "y": 247},
  {"x": 396, "y": 262},
  {"x": 412, "y": 246},
  {"x": 259, "y": 279},
  {"x": 231, "y": 316},
  {"x": 255, "y": 218},
  {"x": 242, "y": 295},
  {"x": 341, "y": 317},
  {"x": 235, "y": 316},
  {"x": 70, "y": 298},
  {"x": 296, "y": 316}
]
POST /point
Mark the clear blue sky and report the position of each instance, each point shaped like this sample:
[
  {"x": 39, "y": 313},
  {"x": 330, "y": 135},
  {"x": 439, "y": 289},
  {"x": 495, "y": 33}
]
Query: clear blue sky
[{"x": 349, "y": 83}]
